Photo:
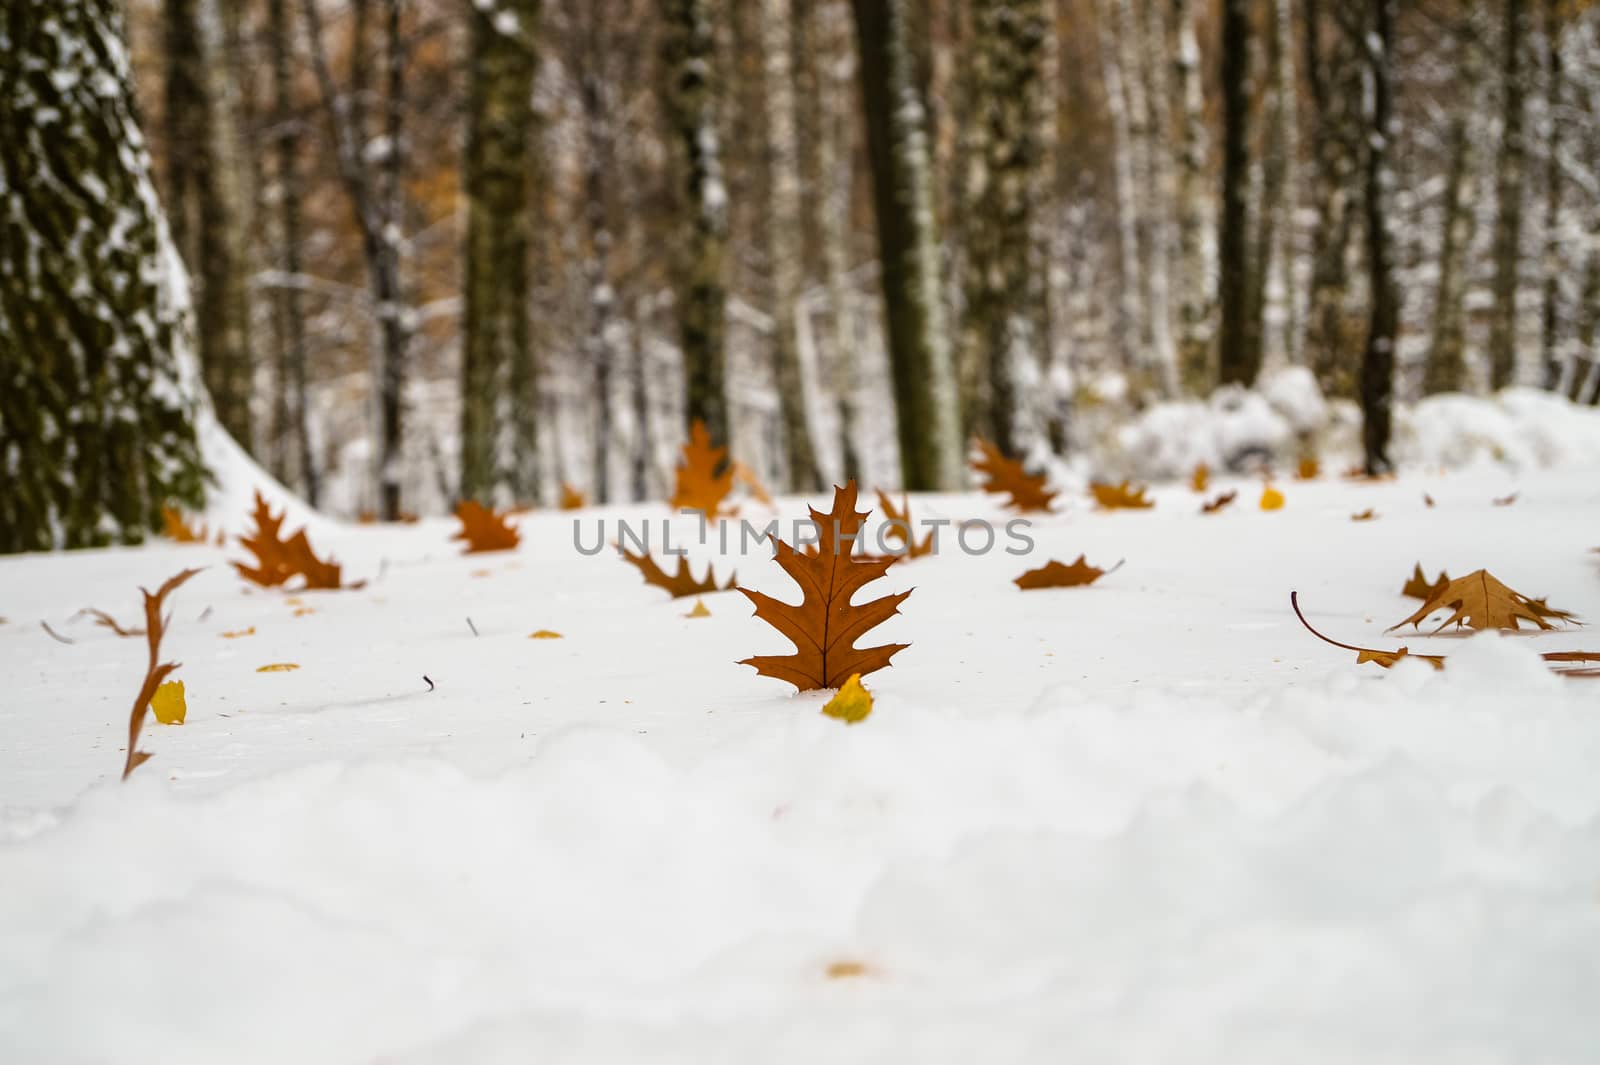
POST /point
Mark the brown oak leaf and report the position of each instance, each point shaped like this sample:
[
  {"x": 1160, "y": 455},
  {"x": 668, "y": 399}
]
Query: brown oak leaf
[
  {"x": 1418, "y": 587},
  {"x": 825, "y": 624},
  {"x": 155, "y": 626},
  {"x": 1055, "y": 574},
  {"x": 181, "y": 531},
  {"x": 278, "y": 560},
  {"x": 1480, "y": 601},
  {"x": 571, "y": 498},
  {"x": 1119, "y": 496},
  {"x": 1005, "y": 476},
  {"x": 704, "y": 476},
  {"x": 900, "y": 528},
  {"x": 1365, "y": 515},
  {"x": 681, "y": 583},
  {"x": 484, "y": 529}
]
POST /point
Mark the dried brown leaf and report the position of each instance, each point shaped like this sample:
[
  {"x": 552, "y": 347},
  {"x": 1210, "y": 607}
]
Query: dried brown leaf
[
  {"x": 1221, "y": 502},
  {"x": 483, "y": 529},
  {"x": 1055, "y": 574},
  {"x": 156, "y": 672},
  {"x": 680, "y": 583},
  {"x": 1480, "y": 601},
  {"x": 705, "y": 477},
  {"x": 900, "y": 527},
  {"x": 1005, "y": 476},
  {"x": 1418, "y": 587},
  {"x": 1119, "y": 496}
]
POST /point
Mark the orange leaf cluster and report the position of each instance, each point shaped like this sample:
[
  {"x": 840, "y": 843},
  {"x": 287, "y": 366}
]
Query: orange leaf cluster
[
  {"x": 1480, "y": 601},
  {"x": 704, "y": 475},
  {"x": 681, "y": 583},
  {"x": 1054, "y": 574},
  {"x": 1006, "y": 476},
  {"x": 155, "y": 625},
  {"x": 1119, "y": 496},
  {"x": 900, "y": 528},
  {"x": 825, "y": 624},
  {"x": 483, "y": 529},
  {"x": 278, "y": 560}
]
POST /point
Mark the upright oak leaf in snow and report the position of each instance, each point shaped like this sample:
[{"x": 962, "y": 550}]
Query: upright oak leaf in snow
[
  {"x": 704, "y": 476},
  {"x": 824, "y": 625},
  {"x": 1054, "y": 574},
  {"x": 681, "y": 583},
  {"x": 900, "y": 529},
  {"x": 571, "y": 498},
  {"x": 279, "y": 560},
  {"x": 1418, "y": 587},
  {"x": 1119, "y": 496},
  {"x": 1005, "y": 476},
  {"x": 483, "y": 529},
  {"x": 1480, "y": 601}
]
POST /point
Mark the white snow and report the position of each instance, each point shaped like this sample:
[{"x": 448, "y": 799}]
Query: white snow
[{"x": 1152, "y": 820}]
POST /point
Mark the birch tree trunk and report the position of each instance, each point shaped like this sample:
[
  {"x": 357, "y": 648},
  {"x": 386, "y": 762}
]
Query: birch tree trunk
[
  {"x": 499, "y": 399},
  {"x": 1130, "y": 308},
  {"x": 1238, "y": 349},
  {"x": 1550, "y": 316},
  {"x": 1508, "y": 200},
  {"x": 836, "y": 164},
  {"x": 208, "y": 206},
  {"x": 1271, "y": 253},
  {"x": 784, "y": 241},
  {"x": 96, "y": 416},
  {"x": 689, "y": 53},
  {"x": 1196, "y": 223},
  {"x": 1445, "y": 370},
  {"x": 1004, "y": 293},
  {"x": 908, "y": 246},
  {"x": 1377, "y": 363}
]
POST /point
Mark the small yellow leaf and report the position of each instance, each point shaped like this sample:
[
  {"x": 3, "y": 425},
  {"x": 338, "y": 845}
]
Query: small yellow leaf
[
  {"x": 293, "y": 600},
  {"x": 699, "y": 610},
  {"x": 1200, "y": 478},
  {"x": 544, "y": 634},
  {"x": 168, "y": 703},
  {"x": 301, "y": 612},
  {"x": 1271, "y": 498},
  {"x": 235, "y": 634},
  {"x": 843, "y": 970},
  {"x": 279, "y": 667},
  {"x": 852, "y": 703}
]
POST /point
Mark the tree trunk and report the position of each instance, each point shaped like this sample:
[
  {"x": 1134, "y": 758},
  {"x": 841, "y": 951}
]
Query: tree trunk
[
  {"x": 208, "y": 212},
  {"x": 690, "y": 58},
  {"x": 1445, "y": 370},
  {"x": 1333, "y": 74},
  {"x": 1377, "y": 362},
  {"x": 96, "y": 416},
  {"x": 499, "y": 400},
  {"x": 1550, "y": 317},
  {"x": 835, "y": 164},
  {"x": 289, "y": 310},
  {"x": 1005, "y": 294},
  {"x": 1271, "y": 253},
  {"x": 1130, "y": 309},
  {"x": 1195, "y": 222},
  {"x": 1238, "y": 348},
  {"x": 1508, "y": 201},
  {"x": 919, "y": 345},
  {"x": 784, "y": 241}
]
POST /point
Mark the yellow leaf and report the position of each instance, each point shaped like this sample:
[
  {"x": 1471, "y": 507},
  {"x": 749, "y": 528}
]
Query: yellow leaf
[
  {"x": 544, "y": 634},
  {"x": 1271, "y": 498},
  {"x": 278, "y": 667},
  {"x": 168, "y": 703},
  {"x": 302, "y": 611},
  {"x": 842, "y": 970},
  {"x": 1200, "y": 478},
  {"x": 699, "y": 610},
  {"x": 852, "y": 703},
  {"x": 234, "y": 635}
]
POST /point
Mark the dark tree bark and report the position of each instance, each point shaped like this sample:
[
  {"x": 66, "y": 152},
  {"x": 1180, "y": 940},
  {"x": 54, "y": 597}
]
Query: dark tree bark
[
  {"x": 1508, "y": 199},
  {"x": 689, "y": 55},
  {"x": 1550, "y": 313},
  {"x": 1377, "y": 361},
  {"x": 289, "y": 305},
  {"x": 499, "y": 400},
  {"x": 1238, "y": 344},
  {"x": 919, "y": 346},
  {"x": 207, "y": 209},
  {"x": 1445, "y": 370},
  {"x": 100, "y": 387}
]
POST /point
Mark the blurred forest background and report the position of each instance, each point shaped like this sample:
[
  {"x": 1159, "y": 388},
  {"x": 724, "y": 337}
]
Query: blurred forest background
[{"x": 481, "y": 248}]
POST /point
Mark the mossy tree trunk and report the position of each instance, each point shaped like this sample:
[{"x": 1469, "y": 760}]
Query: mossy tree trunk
[
  {"x": 499, "y": 400},
  {"x": 1238, "y": 341},
  {"x": 98, "y": 388}
]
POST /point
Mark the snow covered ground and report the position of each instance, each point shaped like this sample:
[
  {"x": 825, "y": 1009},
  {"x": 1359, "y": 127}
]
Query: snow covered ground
[{"x": 1151, "y": 820}]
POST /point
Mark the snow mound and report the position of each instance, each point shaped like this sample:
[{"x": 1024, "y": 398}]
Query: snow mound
[
  {"x": 1377, "y": 867},
  {"x": 1242, "y": 429},
  {"x": 236, "y": 478}
]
